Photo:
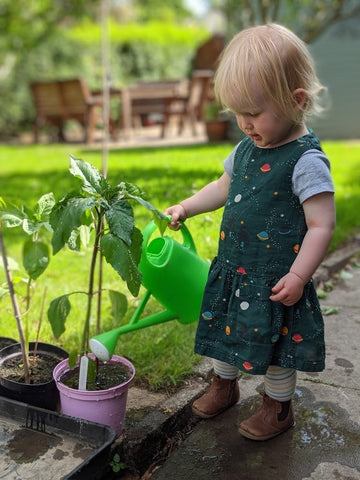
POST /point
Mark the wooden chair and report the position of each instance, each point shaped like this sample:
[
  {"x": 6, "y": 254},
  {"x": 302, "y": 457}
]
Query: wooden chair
[
  {"x": 49, "y": 107},
  {"x": 61, "y": 100},
  {"x": 190, "y": 107}
]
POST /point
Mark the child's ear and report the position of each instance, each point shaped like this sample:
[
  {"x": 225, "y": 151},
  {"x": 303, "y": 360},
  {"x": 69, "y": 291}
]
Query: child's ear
[{"x": 300, "y": 98}]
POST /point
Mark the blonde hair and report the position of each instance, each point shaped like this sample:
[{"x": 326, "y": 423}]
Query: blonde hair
[{"x": 277, "y": 62}]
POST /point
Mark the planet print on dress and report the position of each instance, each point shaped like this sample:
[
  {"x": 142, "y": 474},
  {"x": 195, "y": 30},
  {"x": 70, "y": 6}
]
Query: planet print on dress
[
  {"x": 275, "y": 338},
  {"x": 247, "y": 366},
  {"x": 244, "y": 305},
  {"x": 284, "y": 331},
  {"x": 265, "y": 168},
  {"x": 297, "y": 338},
  {"x": 285, "y": 230},
  {"x": 263, "y": 235},
  {"x": 222, "y": 235},
  {"x": 207, "y": 316},
  {"x": 227, "y": 330},
  {"x": 296, "y": 248},
  {"x": 237, "y": 198},
  {"x": 241, "y": 270}
]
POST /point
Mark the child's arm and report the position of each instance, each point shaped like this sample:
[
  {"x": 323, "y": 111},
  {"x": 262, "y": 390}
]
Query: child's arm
[
  {"x": 320, "y": 219},
  {"x": 209, "y": 198}
]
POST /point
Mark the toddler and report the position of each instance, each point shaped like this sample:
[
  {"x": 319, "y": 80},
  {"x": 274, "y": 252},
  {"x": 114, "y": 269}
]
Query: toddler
[{"x": 260, "y": 313}]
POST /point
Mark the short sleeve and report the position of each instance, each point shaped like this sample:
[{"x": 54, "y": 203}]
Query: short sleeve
[
  {"x": 311, "y": 175},
  {"x": 229, "y": 161}
]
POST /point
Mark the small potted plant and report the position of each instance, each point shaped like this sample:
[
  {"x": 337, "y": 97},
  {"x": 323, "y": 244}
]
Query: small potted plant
[
  {"x": 216, "y": 122},
  {"x": 107, "y": 211},
  {"x": 26, "y": 367}
]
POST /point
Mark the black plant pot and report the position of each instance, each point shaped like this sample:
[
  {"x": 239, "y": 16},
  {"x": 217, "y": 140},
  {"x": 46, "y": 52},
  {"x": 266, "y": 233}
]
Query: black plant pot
[
  {"x": 43, "y": 395},
  {"x": 6, "y": 341}
]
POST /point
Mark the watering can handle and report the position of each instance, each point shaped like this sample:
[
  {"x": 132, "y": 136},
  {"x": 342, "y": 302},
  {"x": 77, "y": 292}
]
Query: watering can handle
[{"x": 188, "y": 241}]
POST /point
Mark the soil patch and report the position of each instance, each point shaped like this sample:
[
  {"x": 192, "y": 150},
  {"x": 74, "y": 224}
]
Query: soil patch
[
  {"x": 41, "y": 368},
  {"x": 108, "y": 375}
]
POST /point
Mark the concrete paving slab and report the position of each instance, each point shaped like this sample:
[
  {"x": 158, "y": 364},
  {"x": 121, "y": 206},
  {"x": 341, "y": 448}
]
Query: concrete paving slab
[
  {"x": 324, "y": 444},
  {"x": 325, "y": 441}
]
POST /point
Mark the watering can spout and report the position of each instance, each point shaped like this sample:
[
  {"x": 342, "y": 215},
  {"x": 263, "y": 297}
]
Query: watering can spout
[{"x": 174, "y": 274}]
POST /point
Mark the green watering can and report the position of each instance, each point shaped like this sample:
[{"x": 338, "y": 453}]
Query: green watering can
[{"x": 174, "y": 274}]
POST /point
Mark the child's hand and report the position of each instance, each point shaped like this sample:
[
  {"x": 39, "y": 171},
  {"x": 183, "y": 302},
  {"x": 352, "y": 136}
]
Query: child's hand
[
  {"x": 177, "y": 213},
  {"x": 288, "y": 290}
]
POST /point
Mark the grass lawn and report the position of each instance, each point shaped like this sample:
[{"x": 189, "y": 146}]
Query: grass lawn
[{"x": 163, "y": 355}]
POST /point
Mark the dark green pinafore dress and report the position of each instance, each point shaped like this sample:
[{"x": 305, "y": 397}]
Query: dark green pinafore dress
[{"x": 261, "y": 233}]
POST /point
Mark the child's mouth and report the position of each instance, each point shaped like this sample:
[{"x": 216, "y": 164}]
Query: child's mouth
[{"x": 255, "y": 137}]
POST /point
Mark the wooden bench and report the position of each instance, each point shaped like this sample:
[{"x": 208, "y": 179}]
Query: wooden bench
[{"x": 60, "y": 100}]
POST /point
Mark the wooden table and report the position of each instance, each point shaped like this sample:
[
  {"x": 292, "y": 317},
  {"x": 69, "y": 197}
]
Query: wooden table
[{"x": 147, "y": 98}]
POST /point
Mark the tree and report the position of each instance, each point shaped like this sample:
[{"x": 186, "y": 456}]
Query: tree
[
  {"x": 308, "y": 18},
  {"x": 24, "y": 24}
]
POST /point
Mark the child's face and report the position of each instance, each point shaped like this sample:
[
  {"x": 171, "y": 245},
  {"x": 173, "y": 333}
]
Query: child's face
[{"x": 267, "y": 127}]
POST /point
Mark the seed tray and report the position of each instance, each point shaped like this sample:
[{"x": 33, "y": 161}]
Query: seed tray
[{"x": 42, "y": 444}]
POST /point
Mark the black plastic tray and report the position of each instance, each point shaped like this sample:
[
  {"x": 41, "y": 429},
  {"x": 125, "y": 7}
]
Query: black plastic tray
[{"x": 41, "y": 444}]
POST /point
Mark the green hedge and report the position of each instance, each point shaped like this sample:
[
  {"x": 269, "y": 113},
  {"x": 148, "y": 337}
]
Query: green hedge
[{"x": 138, "y": 51}]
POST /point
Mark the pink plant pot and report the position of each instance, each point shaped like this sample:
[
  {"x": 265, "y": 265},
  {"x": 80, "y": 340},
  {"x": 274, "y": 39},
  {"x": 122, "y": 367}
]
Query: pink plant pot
[{"x": 102, "y": 406}]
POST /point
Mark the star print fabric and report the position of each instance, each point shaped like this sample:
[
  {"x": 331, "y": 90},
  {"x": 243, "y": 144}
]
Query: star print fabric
[{"x": 261, "y": 233}]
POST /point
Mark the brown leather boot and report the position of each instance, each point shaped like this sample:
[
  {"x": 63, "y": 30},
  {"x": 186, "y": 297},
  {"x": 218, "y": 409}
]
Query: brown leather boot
[
  {"x": 221, "y": 395},
  {"x": 271, "y": 419}
]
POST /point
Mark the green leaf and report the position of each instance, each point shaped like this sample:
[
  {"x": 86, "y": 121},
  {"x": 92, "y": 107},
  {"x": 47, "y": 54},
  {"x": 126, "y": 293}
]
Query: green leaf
[
  {"x": 58, "y": 312},
  {"x": 124, "y": 259},
  {"x": 84, "y": 233},
  {"x": 120, "y": 218},
  {"x": 330, "y": 310},
  {"x": 345, "y": 275},
  {"x": 12, "y": 217},
  {"x": 74, "y": 240},
  {"x": 134, "y": 254},
  {"x": 118, "y": 304},
  {"x": 321, "y": 294},
  {"x": 92, "y": 180},
  {"x": 36, "y": 258},
  {"x": 73, "y": 357},
  {"x": 65, "y": 217},
  {"x": 129, "y": 189},
  {"x": 91, "y": 373},
  {"x": 161, "y": 220},
  {"x": 149, "y": 206},
  {"x": 161, "y": 223},
  {"x": 115, "y": 252},
  {"x": 29, "y": 227},
  {"x": 44, "y": 206}
]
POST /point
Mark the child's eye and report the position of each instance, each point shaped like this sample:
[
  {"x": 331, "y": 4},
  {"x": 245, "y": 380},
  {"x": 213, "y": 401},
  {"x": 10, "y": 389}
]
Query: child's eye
[{"x": 249, "y": 114}]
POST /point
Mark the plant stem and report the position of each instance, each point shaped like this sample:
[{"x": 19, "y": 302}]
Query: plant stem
[
  {"x": 40, "y": 321},
  {"x": 99, "y": 298},
  {"x": 27, "y": 309},
  {"x": 16, "y": 310},
  {"x": 90, "y": 293}
]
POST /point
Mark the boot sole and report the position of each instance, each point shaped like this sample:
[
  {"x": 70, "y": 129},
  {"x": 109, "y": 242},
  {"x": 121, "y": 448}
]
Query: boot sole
[
  {"x": 206, "y": 415},
  {"x": 249, "y": 435}
]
